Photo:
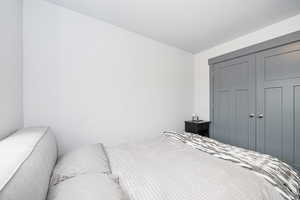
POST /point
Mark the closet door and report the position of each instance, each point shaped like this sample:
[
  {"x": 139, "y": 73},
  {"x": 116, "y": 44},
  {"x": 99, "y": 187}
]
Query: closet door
[
  {"x": 278, "y": 105},
  {"x": 234, "y": 102}
]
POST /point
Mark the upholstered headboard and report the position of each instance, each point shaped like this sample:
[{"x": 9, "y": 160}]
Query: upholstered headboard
[{"x": 27, "y": 160}]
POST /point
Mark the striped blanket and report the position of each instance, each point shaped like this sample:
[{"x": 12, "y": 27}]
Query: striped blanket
[{"x": 282, "y": 176}]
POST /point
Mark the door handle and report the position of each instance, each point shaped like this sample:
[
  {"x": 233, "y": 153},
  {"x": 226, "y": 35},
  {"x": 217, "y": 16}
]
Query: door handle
[
  {"x": 260, "y": 116},
  {"x": 251, "y": 115}
]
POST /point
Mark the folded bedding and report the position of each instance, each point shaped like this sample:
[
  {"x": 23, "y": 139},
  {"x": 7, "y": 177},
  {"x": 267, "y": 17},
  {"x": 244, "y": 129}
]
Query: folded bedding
[{"x": 184, "y": 166}]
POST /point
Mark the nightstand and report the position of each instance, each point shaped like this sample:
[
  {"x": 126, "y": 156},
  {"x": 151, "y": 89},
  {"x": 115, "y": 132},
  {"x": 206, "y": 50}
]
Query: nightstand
[{"x": 197, "y": 127}]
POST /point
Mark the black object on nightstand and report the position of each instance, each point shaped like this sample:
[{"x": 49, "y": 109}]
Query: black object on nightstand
[{"x": 197, "y": 127}]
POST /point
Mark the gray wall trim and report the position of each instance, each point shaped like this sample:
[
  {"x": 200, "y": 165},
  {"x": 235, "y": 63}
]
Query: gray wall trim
[{"x": 276, "y": 42}]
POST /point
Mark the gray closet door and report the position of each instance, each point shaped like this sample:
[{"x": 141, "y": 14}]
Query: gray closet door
[
  {"x": 234, "y": 102},
  {"x": 278, "y": 103}
]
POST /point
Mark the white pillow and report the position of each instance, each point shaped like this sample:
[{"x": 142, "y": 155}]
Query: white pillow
[
  {"x": 94, "y": 186},
  {"x": 89, "y": 159}
]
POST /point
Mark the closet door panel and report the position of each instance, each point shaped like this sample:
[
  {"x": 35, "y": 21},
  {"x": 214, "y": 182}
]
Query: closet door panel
[
  {"x": 297, "y": 125},
  {"x": 273, "y": 66},
  {"x": 278, "y": 81},
  {"x": 241, "y": 119},
  {"x": 222, "y": 115},
  {"x": 234, "y": 101},
  {"x": 273, "y": 121}
]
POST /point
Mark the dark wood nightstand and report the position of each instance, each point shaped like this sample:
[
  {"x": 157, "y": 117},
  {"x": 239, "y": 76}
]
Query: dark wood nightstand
[{"x": 197, "y": 127}]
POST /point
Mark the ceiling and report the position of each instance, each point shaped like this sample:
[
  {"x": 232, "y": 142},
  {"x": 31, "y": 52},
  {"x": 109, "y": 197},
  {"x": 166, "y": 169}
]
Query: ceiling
[{"x": 192, "y": 25}]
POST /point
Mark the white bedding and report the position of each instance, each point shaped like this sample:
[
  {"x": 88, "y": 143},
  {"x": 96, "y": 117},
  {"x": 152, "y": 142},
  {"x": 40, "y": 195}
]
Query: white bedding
[
  {"x": 91, "y": 186},
  {"x": 165, "y": 169},
  {"x": 84, "y": 174}
]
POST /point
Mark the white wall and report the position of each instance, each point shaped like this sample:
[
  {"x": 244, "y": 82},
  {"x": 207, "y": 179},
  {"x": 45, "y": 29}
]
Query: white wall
[
  {"x": 94, "y": 82},
  {"x": 10, "y": 66},
  {"x": 201, "y": 68}
]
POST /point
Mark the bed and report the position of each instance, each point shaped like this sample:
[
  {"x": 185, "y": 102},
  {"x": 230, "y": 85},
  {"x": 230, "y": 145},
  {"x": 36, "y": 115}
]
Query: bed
[{"x": 171, "y": 166}]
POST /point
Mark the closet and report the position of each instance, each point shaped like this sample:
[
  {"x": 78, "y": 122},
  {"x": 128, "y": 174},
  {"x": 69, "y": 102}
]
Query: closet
[{"x": 255, "y": 98}]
